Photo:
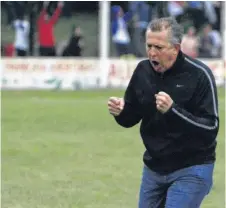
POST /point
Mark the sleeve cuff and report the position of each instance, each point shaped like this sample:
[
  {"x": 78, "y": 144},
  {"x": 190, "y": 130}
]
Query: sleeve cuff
[{"x": 170, "y": 112}]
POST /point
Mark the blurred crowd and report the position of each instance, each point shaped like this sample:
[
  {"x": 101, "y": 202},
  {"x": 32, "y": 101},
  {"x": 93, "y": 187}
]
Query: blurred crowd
[
  {"x": 201, "y": 22},
  {"x": 34, "y": 23}
]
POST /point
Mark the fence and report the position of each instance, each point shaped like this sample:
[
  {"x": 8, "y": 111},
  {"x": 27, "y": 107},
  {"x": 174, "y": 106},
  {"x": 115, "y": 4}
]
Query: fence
[{"x": 76, "y": 74}]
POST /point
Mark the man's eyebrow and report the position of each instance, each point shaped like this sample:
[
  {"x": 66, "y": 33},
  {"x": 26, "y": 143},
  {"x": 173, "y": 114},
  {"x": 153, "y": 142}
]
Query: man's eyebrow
[{"x": 158, "y": 45}]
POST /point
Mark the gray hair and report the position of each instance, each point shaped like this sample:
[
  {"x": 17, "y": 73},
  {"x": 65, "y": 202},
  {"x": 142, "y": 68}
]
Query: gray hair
[{"x": 167, "y": 23}]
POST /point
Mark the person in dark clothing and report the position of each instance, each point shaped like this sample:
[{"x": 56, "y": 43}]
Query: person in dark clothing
[
  {"x": 175, "y": 97},
  {"x": 75, "y": 45}
]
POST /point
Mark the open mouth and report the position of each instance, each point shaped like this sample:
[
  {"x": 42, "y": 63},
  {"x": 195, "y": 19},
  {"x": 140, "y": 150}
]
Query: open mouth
[{"x": 155, "y": 63}]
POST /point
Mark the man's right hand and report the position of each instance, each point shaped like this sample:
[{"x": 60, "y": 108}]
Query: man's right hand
[{"x": 115, "y": 105}]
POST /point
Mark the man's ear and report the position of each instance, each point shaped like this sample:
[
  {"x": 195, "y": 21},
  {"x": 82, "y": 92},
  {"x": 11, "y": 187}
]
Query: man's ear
[{"x": 177, "y": 48}]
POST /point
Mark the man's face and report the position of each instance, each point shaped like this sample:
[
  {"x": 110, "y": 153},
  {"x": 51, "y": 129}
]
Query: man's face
[{"x": 161, "y": 53}]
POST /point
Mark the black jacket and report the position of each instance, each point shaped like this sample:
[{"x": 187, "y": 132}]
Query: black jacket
[
  {"x": 73, "y": 48},
  {"x": 186, "y": 134}
]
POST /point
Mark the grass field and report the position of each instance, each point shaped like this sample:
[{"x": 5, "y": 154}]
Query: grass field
[{"x": 63, "y": 150}]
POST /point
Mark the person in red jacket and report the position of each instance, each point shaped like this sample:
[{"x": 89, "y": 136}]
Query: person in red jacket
[{"x": 46, "y": 30}]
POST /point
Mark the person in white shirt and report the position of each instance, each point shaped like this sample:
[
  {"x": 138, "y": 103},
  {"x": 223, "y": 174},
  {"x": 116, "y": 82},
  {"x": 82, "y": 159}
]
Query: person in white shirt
[{"x": 22, "y": 28}]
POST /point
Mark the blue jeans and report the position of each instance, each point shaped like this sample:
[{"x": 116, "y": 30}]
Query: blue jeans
[{"x": 184, "y": 188}]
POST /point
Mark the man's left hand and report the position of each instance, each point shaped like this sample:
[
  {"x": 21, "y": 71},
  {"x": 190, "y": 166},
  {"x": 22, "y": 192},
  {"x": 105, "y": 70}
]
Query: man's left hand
[{"x": 163, "y": 102}]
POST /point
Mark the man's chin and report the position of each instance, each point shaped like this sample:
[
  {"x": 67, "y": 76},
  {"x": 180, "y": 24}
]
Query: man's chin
[{"x": 159, "y": 69}]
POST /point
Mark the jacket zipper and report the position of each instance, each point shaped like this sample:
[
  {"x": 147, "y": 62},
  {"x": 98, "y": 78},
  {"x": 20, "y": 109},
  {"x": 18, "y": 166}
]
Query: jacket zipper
[{"x": 161, "y": 81}]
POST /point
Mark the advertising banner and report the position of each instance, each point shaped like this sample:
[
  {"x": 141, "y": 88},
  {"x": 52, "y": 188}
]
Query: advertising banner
[
  {"x": 65, "y": 74},
  {"x": 120, "y": 71},
  {"x": 76, "y": 74}
]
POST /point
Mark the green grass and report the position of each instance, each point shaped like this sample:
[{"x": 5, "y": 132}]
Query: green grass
[{"x": 63, "y": 150}]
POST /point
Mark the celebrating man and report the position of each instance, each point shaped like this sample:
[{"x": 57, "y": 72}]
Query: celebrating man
[{"x": 175, "y": 96}]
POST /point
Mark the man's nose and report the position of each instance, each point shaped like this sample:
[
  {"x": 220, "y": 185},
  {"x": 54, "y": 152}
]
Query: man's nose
[{"x": 152, "y": 52}]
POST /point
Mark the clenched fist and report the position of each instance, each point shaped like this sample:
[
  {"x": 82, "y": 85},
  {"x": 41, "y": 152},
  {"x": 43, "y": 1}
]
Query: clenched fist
[
  {"x": 163, "y": 102},
  {"x": 115, "y": 105}
]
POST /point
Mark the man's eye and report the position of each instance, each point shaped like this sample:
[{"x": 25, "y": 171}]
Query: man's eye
[{"x": 158, "y": 47}]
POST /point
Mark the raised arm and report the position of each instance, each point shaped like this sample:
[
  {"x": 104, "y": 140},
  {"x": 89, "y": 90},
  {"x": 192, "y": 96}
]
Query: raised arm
[
  {"x": 43, "y": 12},
  {"x": 57, "y": 13}
]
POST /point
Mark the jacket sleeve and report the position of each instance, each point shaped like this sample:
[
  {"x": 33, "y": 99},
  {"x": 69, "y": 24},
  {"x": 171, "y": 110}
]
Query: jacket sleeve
[
  {"x": 56, "y": 15},
  {"x": 131, "y": 114},
  {"x": 204, "y": 118}
]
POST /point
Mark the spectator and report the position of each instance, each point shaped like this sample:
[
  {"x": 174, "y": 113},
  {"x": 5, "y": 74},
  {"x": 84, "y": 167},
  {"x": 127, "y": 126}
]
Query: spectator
[
  {"x": 189, "y": 44},
  {"x": 210, "y": 43},
  {"x": 176, "y": 9},
  {"x": 22, "y": 28},
  {"x": 210, "y": 12},
  {"x": 218, "y": 5},
  {"x": 120, "y": 34},
  {"x": 195, "y": 12},
  {"x": 75, "y": 45},
  {"x": 46, "y": 30},
  {"x": 142, "y": 13},
  {"x": 8, "y": 50}
]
